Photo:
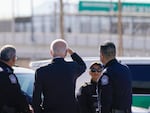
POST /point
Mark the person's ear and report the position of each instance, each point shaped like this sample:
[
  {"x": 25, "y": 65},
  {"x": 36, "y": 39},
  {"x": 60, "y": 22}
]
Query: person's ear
[
  {"x": 13, "y": 61},
  {"x": 90, "y": 73},
  {"x": 51, "y": 52},
  {"x": 66, "y": 52}
]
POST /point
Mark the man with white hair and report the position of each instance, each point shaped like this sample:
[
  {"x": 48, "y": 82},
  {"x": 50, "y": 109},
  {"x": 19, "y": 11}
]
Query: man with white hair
[
  {"x": 56, "y": 81},
  {"x": 12, "y": 99}
]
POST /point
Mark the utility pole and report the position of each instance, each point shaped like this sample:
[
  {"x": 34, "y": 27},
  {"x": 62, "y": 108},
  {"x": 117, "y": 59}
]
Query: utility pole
[
  {"x": 120, "y": 40},
  {"x": 13, "y": 18},
  {"x": 32, "y": 22},
  {"x": 61, "y": 19}
]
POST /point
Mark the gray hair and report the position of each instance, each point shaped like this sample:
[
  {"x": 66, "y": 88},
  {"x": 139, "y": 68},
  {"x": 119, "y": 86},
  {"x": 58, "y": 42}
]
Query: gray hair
[
  {"x": 59, "y": 47},
  {"x": 7, "y": 52}
]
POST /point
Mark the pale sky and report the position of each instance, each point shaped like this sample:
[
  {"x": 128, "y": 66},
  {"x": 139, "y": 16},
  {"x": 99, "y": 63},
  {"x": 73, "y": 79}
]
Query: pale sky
[
  {"x": 23, "y": 7},
  {"x": 20, "y": 7},
  {"x": 16, "y": 7}
]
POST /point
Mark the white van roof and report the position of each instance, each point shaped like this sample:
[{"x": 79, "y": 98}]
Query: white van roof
[
  {"x": 125, "y": 60},
  {"x": 134, "y": 60}
]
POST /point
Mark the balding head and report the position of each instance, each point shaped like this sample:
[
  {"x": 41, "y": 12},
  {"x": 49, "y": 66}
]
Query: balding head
[{"x": 59, "y": 48}]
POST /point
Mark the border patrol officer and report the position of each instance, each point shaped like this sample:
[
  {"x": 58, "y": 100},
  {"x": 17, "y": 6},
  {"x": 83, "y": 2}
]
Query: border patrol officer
[
  {"x": 115, "y": 83},
  {"x": 88, "y": 97},
  {"x": 12, "y": 99}
]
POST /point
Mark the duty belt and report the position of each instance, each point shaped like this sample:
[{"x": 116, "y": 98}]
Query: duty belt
[{"x": 120, "y": 111}]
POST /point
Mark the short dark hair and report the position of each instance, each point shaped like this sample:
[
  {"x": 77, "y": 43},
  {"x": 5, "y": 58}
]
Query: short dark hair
[
  {"x": 7, "y": 52},
  {"x": 108, "y": 49}
]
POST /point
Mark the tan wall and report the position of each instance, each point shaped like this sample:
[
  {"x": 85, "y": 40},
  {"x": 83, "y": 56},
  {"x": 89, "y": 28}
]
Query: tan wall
[
  {"x": 85, "y": 44},
  {"x": 23, "y": 62}
]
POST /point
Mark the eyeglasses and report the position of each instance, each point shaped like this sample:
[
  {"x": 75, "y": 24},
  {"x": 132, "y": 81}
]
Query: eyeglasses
[{"x": 93, "y": 70}]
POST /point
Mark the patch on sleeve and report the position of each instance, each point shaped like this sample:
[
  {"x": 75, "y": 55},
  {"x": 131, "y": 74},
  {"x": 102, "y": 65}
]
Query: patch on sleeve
[
  {"x": 1, "y": 69},
  {"x": 12, "y": 79},
  {"x": 9, "y": 70},
  {"x": 104, "y": 80}
]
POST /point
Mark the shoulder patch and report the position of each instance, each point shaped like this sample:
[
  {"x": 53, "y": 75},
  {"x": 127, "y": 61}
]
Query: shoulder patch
[
  {"x": 9, "y": 70},
  {"x": 104, "y": 80},
  {"x": 13, "y": 79},
  {"x": 1, "y": 69}
]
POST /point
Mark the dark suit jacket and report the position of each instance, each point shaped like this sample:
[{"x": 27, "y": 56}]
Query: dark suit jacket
[
  {"x": 11, "y": 96},
  {"x": 56, "y": 82}
]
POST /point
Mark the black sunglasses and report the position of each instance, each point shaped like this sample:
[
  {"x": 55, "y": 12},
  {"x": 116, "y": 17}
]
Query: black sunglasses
[{"x": 95, "y": 70}]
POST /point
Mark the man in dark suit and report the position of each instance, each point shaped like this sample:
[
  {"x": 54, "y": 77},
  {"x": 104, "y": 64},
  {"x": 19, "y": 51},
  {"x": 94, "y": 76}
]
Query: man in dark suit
[{"x": 56, "y": 81}]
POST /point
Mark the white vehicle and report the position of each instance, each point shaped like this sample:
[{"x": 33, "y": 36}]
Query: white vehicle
[
  {"x": 26, "y": 80},
  {"x": 139, "y": 110},
  {"x": 140, "y": 68}
]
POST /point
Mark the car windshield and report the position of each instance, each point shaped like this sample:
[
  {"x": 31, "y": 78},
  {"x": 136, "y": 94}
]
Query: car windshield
[{"x": 26, "y": 81}]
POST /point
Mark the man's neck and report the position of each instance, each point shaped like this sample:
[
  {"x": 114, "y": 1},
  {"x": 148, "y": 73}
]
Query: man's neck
[{"x": 57, "y": 57}]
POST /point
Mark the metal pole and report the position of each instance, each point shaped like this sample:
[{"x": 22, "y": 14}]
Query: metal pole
[
  {"x": 32, "y": 22},
  {"x": 55, "y": 16},
  {"x": 120, "y": 40},
  {"x": 61, "y": 19},
  {"x": 13, "y": 18},
  {"x": 111, "y": 10}
]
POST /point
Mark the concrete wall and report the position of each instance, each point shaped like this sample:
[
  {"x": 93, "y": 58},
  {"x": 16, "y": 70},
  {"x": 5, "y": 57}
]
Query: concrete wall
[
  {"x": 6, "y": 25},
  {"x": 84, "y": 44}
]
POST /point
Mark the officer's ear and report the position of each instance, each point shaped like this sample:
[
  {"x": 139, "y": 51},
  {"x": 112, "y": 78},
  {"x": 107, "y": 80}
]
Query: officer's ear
[
  {"x": 14, "y": 59},
  {"x": 90, "y": 73}
]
